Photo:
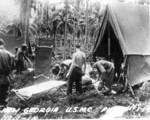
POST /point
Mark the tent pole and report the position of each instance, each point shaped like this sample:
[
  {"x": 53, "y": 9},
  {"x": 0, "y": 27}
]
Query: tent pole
[
  {"x": 108, "y": 42},
  {"x": 47, "y": 17}
]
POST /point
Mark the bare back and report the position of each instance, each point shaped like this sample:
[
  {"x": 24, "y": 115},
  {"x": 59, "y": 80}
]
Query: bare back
[{"x": 79, "y": 59}]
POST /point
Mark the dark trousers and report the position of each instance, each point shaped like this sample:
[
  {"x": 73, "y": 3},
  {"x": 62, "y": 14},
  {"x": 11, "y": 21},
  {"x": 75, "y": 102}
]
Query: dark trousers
[
  {"x": 4, "y": 86},
  {"x": 76, "y": 76},
  {"x": 117, "y": 70},
  {"x": 109, "y": 78},
  {"x": 20, "y": 66}
]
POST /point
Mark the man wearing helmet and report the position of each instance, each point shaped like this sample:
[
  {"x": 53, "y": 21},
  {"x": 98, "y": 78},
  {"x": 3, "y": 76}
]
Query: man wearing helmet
[{"x": 21, "y": 57}]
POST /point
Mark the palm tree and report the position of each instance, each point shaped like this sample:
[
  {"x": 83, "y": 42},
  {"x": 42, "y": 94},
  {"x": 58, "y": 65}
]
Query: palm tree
[
  {"x": 53, "y": 23},
  {"x": 95, "y": 20},
  {"x": 78, "y": 17},
  {"x": 86, "y": 31},
  {"x": 25, "y": 14},
  {"x": 60, "y": 19},
  {"x": 44, "y": 21}
]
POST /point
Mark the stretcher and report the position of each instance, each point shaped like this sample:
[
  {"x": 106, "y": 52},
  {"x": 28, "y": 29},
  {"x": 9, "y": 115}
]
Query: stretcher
[{"x": 27, "y": 92}]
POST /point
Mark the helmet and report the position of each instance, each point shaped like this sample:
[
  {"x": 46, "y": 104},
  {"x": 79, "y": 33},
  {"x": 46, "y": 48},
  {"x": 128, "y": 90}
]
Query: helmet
[
  {"x": 23, "y": 46},
  {"x": 2, "y": 42}
]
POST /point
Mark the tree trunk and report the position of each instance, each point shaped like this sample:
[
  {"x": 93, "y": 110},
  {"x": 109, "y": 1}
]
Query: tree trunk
[
  {"x": 86, "y": 32},
  {"x": 54, "y": 40},
  {"x": 27, "y": 18},
  {"x": 65, "y": 38},
  {"x": 62, "y": 44},
  {"x": 74, "y": 41},
  {"x": 70, "y": 47},
  {"x": 77, "y": 16}
]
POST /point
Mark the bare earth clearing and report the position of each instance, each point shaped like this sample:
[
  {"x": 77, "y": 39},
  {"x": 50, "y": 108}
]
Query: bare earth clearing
[{"x": 56, "y": 105}]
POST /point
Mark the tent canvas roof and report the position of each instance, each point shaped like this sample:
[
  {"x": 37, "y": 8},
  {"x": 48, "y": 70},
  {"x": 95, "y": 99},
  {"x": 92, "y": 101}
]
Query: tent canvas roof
[
  {"x": 125, "y": 31},
  {"x": 130, "y": 24}
]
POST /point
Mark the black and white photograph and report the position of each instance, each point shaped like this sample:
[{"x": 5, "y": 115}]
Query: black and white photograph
[{"x": 74, "y": 59}]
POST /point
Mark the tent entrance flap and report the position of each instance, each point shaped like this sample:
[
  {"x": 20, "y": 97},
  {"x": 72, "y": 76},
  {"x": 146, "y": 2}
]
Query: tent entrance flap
[
  {"x": 109, "y": 46},
  {"x": 138, "y": 64}
]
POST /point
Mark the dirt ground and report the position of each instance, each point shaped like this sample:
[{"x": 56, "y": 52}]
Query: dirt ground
[{"x": 89, "y": 105}]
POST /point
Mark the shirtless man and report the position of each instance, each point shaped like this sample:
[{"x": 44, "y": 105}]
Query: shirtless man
[{"x": 75, "y": 72}]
